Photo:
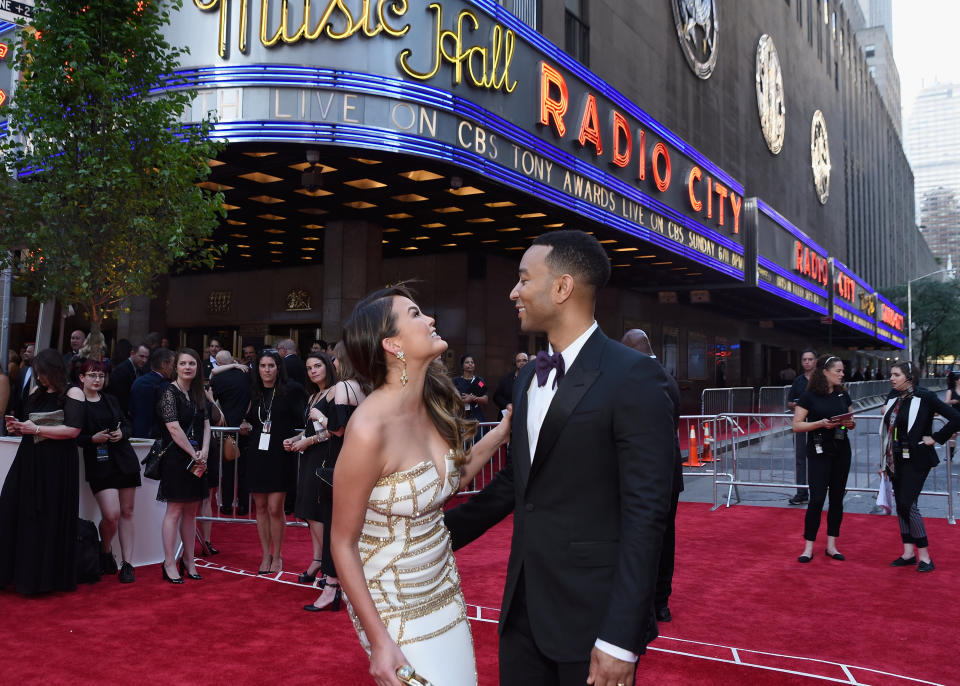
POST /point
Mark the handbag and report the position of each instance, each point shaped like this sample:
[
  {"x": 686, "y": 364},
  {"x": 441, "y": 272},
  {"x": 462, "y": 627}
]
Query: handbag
[
  {"x": 885, "y": 498},
  {"x": 151, "y": 463},
  {"x": 230, "y": 448},
  {"x": 53, "y": 418}
]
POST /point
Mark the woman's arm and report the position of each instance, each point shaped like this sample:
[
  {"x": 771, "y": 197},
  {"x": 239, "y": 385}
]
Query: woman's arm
[
  {"x": 484, "y": 449},
  {"x": 801, "y": 425},
  {"x": 57, "y": 433},
  {"x": 358, "y": 468},
  {"x": 205, "y": 446}
]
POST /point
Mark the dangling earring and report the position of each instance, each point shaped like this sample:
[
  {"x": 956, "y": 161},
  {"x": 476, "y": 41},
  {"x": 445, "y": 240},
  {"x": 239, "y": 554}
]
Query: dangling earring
[{"x": 403, "y": 372}]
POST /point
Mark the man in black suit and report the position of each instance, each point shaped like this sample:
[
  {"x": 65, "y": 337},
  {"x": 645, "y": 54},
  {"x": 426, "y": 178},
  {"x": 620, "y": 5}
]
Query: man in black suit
[
  {"x": 76, "y": 342},
  {"x": 637, "y": 339},
  {"x": 213, "y": 347},
  {"x": 296, "y": 369},
  {"x": 146, "y": 391},
  {"x": 231, "y": 388},
  {"x": 503, "y": 396},
  {"x": 589, "y": 483},
  {"x": 125, "y": 373}
]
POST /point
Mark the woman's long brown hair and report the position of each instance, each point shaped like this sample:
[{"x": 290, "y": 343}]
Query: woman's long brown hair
[{"x": 373, "y": 320}]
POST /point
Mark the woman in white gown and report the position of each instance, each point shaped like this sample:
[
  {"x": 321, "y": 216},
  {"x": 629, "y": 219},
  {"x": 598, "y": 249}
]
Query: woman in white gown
[{"x": 402, "y": 458}]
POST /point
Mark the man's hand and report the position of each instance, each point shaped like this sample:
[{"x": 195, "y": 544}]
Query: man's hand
[{"x": 606, "y": 670}]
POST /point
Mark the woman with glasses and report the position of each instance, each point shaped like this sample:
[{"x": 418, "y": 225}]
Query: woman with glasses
[
  {"x": 111, "y": 468},
  {"x": 825, "y": 413}
]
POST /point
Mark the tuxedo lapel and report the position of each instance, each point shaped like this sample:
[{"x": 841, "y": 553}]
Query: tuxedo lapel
[
  {"x": 519, "y": 439},
  {"x": 571, "y": 389},
  {"x": 914, "y": 409}
]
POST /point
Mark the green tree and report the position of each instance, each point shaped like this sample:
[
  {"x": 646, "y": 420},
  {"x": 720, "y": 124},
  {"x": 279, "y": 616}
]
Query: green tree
[
  {"x": 936, "y": 317},
  {"x": 101, "y": 193}
]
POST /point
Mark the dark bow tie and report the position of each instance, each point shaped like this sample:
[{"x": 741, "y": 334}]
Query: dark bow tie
[{"x": 546, "y": 362}]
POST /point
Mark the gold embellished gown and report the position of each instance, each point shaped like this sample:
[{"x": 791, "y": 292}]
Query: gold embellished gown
[{"x": 412, "y": 575}]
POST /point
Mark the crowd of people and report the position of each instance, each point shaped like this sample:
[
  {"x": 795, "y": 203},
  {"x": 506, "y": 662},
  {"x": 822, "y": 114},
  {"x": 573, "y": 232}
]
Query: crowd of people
[{"x": 367, "y": 439}]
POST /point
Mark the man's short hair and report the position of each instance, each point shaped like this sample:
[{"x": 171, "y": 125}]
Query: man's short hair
[
  {"x": 224, "y": 357},
  {"x": 578, "y": 254},
  {"x": 159, "y": 357},
  {"x": 287, "y": 344},
  {"x": 808, "y": 350},
  {"x": 212, "y": 339}
]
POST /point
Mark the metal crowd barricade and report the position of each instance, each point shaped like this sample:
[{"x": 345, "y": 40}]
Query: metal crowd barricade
[
  {"x": 222, "y": 432},
  {"x": 490, "y": 469},
  {"x": 763, "y": 456},
  {"x": 724, "y": 400},
  {"x": 773, "y": 399}
]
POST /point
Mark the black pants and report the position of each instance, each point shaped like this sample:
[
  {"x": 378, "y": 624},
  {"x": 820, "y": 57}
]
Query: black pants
[
  {"x": 800, "y": 447},
  {"x": 667, "y": 555},
  {"x": 522, "y": 663},
  {"x": 907, "y": 482},
  {"x": 827, "y": 472}
]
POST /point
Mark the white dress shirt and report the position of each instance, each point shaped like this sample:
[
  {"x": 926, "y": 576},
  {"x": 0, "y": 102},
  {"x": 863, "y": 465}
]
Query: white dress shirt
[{"x": 538, "y": 402}]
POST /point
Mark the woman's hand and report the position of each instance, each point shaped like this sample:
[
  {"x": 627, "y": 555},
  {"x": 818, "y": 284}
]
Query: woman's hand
[
  {"x": 850, "y": 423},
  {"x": 290, "y": 444},
  {"x": 245, "y": 428},
  {"x": 928, "y": 441},
  {"x": 202, "y": 455},
  {"x": 100, "y": 437},
  {"x": 25, "y": 428},
  {"x": 302, "y": 444},
  {"x": 115, "y": 436},
  {"x": 829, "y": 423},
  {"x": 318, "y": 416},
  {"x": 384, "y": 662},
  {"x": 502, "y": 430}
]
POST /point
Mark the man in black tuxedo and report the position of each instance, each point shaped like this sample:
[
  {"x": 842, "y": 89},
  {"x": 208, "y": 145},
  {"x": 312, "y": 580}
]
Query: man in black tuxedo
[
  {"x": 637, "y": 339},
  {"x": 231, "y": 388},
  {"x": 145, "y": 392},
  {"x": 589, "y": 483},
  {"x": 125, "y": 373},
  {"x": 296, "y": 369}
]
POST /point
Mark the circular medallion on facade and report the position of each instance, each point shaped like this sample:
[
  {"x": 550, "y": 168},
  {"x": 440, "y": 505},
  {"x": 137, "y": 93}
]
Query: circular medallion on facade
[
  {"x": 697, "y": 29},
  {"x": 820, "y": 156},
  {"x": 773, "y": 112}
]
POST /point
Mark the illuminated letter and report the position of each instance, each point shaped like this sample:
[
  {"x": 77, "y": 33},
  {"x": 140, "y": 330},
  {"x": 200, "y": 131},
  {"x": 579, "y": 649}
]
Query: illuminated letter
[
  {"x": 709, "y": 197},
  {"x": 552, "y": 111},
  {"x": 590, "y": 125},
  {"x": 663, "y": 182},
  {"x": 642, "y": 156},
  {"x": 695, "y": 175},
  {"x": 620, "y": 126},
  {"x": 721, "y": 192},
  {"x": 405, "y": 53},
  {"x": 798, "y": 249},
  {"x": 222, "y": 36},
  {"x": 735, "y": 205}
]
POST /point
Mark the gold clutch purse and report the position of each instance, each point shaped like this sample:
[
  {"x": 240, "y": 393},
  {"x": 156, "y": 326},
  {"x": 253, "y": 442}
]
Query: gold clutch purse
[
  {"x": 408, "y": 675},
  {"x": 54, "y": 418}
]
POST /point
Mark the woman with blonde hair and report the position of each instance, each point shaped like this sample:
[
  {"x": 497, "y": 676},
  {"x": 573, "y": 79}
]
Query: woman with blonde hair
[{"x": 402, "y": 459}]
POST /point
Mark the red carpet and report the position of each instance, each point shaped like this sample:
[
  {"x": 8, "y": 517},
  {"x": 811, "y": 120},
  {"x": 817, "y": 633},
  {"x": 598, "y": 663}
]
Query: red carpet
[{"x": 744, "y": 612}]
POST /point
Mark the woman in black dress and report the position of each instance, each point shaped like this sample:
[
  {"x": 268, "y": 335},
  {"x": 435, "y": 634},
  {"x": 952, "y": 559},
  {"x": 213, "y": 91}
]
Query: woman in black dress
[
  {"x": 111, "y": 468},
  {"x": 341, "y": 401},
  {"x": 473, "y": 389},
  {"x": 312, "y": 444},
  {"x": 276, "y": 412},
  {"x": 907, "y": 440},
  {"x": 183, "y": 480},
  {"x": 40, "y": 496},
  {"x": 828, "y": 450}
]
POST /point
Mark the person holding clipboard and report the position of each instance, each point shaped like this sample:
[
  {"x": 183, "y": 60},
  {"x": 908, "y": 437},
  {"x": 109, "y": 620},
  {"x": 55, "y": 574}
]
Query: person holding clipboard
[{"x": 824, "y": 411}]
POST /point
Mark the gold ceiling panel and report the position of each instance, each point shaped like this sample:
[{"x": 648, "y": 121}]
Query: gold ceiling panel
[
  {"x": 234, "y": 222},
  {"x": 313, "y": 226},
  {"x": 245, "y": 254},
  {"x": 259, "y": 154},
  {"x": 311, "y": 238},
  {"x": 312, "y": 210},
  {"x": 420, "y": 175},
  {"x": 242, "y": 245},
  {"x": 230, "y": 207},
  {"x": 553, "y": 226},
  {"x": 644, "y": 257},
  {"x": 463, "y": 233},
  {"x": 491, "y": 240},
  {"x": 421, "y": 238},
  {"x": 364, "y": 184},
  {"x": 266, "y": 199},
  {"x": 433, "y": 225},
  {"x": 271, "y": 217},
  {"x": 275, "y": 242},
  {"x": 410, "y": 247},
  {"x": 625, "y": 249},
  {"x": 238, "y": 235},
  {"x": 501, "y": 203},
  {"x": 303, "y": 166},
  {"x": 213, "y": 186},
  {"x": 410, "y": 197},
  {"x": 465, "y": 190},
  {"x": 391, "y": 230},
  {"x": 531, "y": 215},
  {"x": 607, "y": 241},
  {"x": 278, "y": 231},
  {"x": 315, "y": 193},
  {"x": 399, "y": 215},
  {"x": 660, "y": 263},
  {"x": 480, "y": 220},
  {"x": 365, "y": 160},
  {"x": 449, "y": 245},
  {"x": 215, "y": 163},
  {"x": 447, "y": 210},
  {"x": 260, "y": 177},
  {"x": 359, "y": 205},
  {"x": 517, "y": 247},
  {"x": 509, "y": 229},
  {"x": 308, "y": 249}
]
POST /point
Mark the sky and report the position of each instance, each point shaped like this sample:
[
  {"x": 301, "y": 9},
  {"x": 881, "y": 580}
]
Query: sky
[{"x": 925, "y": 45}]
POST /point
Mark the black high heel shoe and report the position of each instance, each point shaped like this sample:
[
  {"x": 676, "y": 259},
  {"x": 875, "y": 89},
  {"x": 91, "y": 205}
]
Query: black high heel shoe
[
  {"x": 333, "y": 605},
  {"x": 183, "y": 572},
  {"x": 209, "y": 549},
  {"x": 307, "y": 577},
  {"x": 167, "y": 577},
  {"x": 269, "y": 565}
]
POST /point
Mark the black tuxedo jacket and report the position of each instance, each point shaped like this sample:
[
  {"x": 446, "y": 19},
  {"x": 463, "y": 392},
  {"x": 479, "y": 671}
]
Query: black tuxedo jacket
[
  {"x": 121, "y": 381},
  {"x": 232, "y": 389},
  {"x": 919, "y": 420},
  {"x": 296, "y": 369},
  {"x": 590, "y": 511}
]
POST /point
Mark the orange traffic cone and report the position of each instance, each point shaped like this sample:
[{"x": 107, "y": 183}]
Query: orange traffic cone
[
  {"x": 692, "y": 460},
  {"x": 707, "y": 444}
]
